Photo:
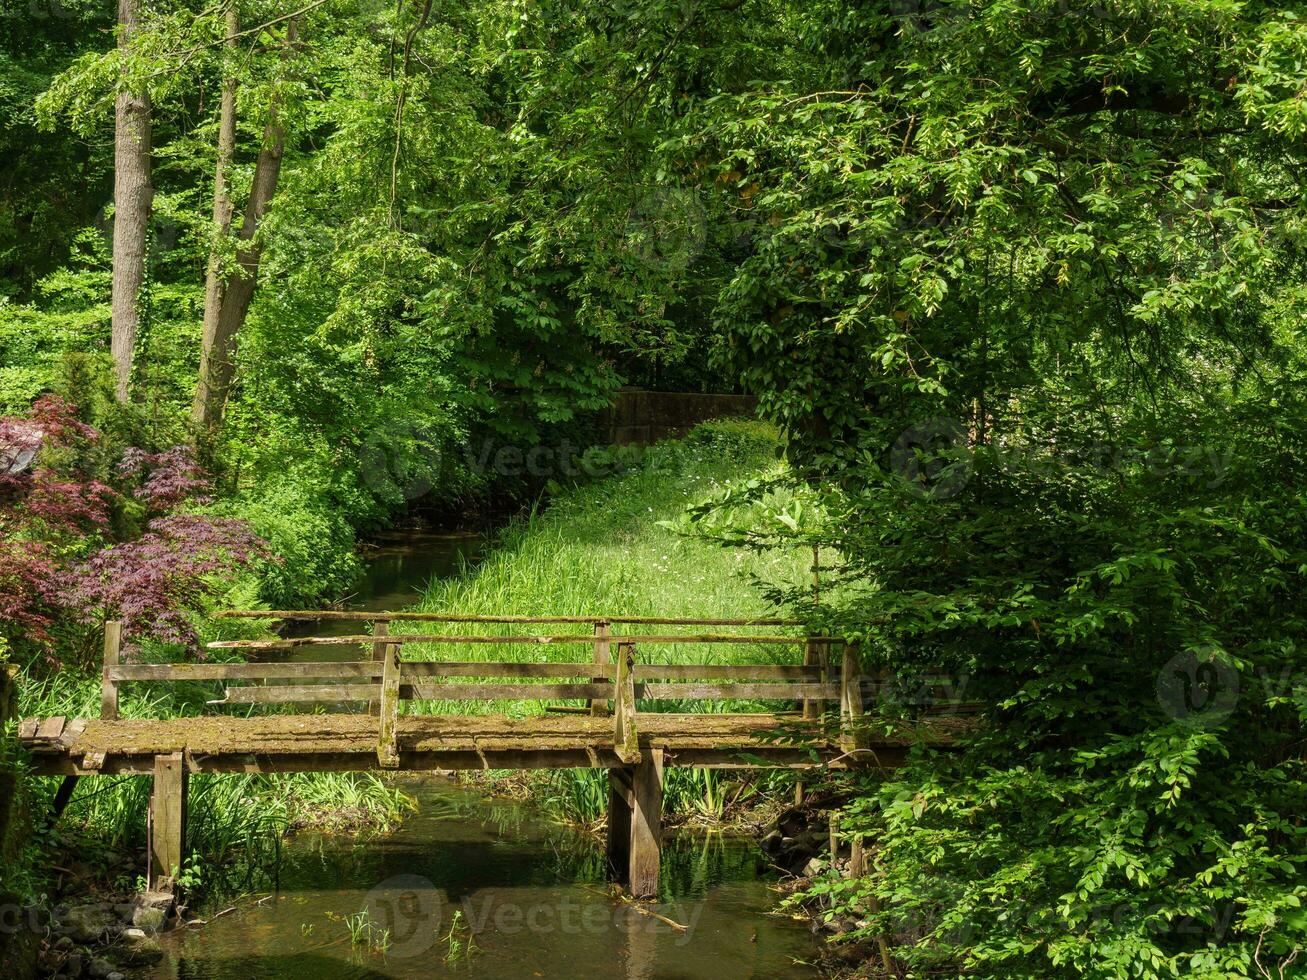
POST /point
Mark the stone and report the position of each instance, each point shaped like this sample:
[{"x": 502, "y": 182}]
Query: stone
[
  {"x": 149, "y": 920},
  {"x": 115, "y": 976},
  {"x": 64, "y": 942},
  {"x": 100, "y": 968},
  {"x": 89, "y": 923},
  {"x": 74, "y": 965},
  {"x": 815, "y": 866},
  {"x": 137, "y": 949},
  {"x": 124, "y": 910}
]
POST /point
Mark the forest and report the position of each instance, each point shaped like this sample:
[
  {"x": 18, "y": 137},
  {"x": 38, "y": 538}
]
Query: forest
[{"x": 1017, "y": 285}]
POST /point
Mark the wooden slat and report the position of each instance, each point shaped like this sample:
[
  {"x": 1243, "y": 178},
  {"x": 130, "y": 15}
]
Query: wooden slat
[
  {"x": 112, "y": 654},
  {"x": 300, "y": 693},
  {"x": 505, "y": 692},
  {"x": 51, "y": 728},
  {"x": 413, "y": 670},
  {"x": 723, "y": 692},
  {"x": 27, "y": 729},
  {"x": 260, "y": 671},
  {"x": 374, "y": 617},
  {"x": 727, "y": 672},
  {"x": 387, "y": 749},
  {"x": 329, "y": 641},
  {"x": 557, "y": 639}
]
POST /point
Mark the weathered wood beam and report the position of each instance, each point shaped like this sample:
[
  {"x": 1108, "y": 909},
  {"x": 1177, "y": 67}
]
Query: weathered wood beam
[
  {"x": 306, "y": 693},
  {"x": 62, "y": 797},
  {"x": 646, "y": 824},
  {"x": 380, "y": 631},
  {"x": 413, "y": 671},
  {"x": 620, "y": 802},
  {"x": 521, "y": 640},
  {"x": 365, "y": 760},
  {"x": 726, "y": 692},
  {"x": 750, "y": 672},
  {"x": 387, "y": 750},
  {"x": 602, "y": 658},
  {"x": 113, "y": 637},
  {"x": 183, "y": 673},
  {"x": 373, "y": 617},
  {"x": 167, "y": 821},
  {"x": 853, "y": 734},
  {"x": 624, "y": 731}
]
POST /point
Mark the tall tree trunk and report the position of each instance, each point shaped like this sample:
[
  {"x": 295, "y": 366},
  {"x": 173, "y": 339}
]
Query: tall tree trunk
[
  {"x": 239, "y": 291},
  {"x": 212, "y": 352},
  {"x": 132, "y": 200}
]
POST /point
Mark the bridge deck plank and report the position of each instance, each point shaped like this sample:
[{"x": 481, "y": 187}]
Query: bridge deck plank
[{"x": 345, "y": 741}]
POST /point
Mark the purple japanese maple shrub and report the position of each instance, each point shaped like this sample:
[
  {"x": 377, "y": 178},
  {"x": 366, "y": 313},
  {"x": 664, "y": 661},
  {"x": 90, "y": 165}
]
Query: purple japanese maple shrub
[{"x": 65, "y": 562}]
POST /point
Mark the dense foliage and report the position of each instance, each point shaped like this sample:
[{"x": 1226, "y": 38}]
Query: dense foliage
[
  {"x": 1019, "y": 280},
  {"x": 84, "y": 538}
]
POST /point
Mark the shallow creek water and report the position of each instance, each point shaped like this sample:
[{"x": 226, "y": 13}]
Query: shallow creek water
[{"x": 474, "y": 887}]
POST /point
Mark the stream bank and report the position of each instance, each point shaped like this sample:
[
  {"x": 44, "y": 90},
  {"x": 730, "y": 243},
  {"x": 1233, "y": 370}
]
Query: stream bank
[{"x": 493, "y": 885}]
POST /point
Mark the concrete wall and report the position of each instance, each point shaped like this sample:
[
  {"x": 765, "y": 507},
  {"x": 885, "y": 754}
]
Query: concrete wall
[{"x": 639, "y": 417}]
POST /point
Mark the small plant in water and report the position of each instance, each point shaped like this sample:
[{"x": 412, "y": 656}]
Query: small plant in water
[
  {"x": 458, "y": 941},
  {"x": 362, "y": 932}
]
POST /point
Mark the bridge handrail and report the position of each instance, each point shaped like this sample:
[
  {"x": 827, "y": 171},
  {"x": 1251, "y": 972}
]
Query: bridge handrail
[{"x": 394, "y": 617}]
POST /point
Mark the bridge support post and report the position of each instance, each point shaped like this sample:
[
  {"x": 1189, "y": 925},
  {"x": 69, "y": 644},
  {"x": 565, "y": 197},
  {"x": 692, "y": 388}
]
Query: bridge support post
[
  {"x": 647, "y": 824},
  {"x": 167, "y": 821},
  {"x": 635, "y": 824},
  {"x": 620, "y": 790}
]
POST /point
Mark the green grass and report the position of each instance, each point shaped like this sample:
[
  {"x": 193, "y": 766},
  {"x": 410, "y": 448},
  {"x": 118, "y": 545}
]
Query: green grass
[
  {"x": 236, "y": 822},
  {"x": 609, "y": 548}
]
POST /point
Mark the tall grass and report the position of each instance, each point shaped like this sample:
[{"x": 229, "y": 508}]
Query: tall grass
[
  {"x": 609, "y": 548},
  {"x": 236, "y": 821}
]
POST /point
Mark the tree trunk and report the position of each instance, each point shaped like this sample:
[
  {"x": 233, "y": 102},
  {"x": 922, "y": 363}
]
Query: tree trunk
[
  {"x": 215, "y": 286},
  {"x": 239, "y": 291},
  {"x": 132, "y": 200}
]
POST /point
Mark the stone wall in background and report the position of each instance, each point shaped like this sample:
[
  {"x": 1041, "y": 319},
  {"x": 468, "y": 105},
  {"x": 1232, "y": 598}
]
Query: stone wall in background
[{"x": 639, "y": 417}]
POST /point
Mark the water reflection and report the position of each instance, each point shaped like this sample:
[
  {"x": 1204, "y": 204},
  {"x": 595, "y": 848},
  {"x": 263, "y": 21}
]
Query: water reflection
[{"x": 477, "y": 888}]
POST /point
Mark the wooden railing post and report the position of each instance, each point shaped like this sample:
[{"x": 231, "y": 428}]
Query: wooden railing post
[
  {"x": 113, "y": 638},
  {"x": 625, "y": 738},
  {"x": 387, "y": 745},
  {"x": 381, "y": 629},
  {"x": 852, "y": 734},
  {"x": 603, "y": 656},
  {"x": 816, "y": 653}
]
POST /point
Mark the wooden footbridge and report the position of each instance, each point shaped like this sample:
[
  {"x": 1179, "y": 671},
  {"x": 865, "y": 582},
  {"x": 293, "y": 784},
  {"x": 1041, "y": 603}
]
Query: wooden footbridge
[{"x": 621, "y": 708}]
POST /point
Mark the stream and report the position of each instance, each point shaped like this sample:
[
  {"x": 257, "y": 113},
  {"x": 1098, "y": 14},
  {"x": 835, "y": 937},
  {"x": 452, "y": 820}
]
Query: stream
[{"x": 473, "y": 887}]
